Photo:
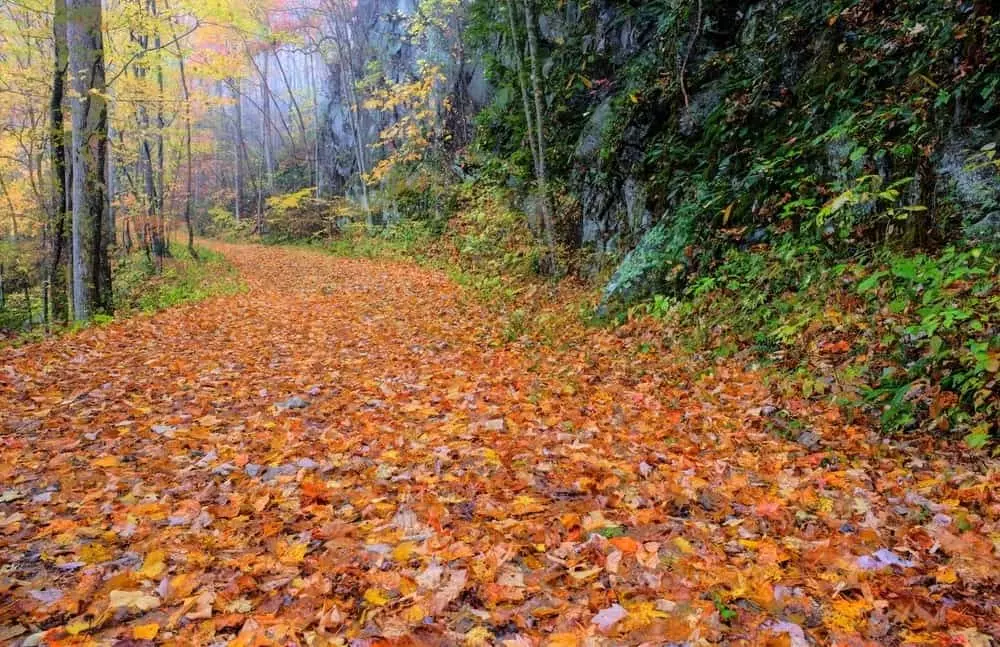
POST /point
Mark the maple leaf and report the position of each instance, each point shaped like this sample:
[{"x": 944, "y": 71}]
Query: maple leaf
[
  {"x": 133, "y": 599},
  {"x": 563, "y": 639},
  {"x": 145, "y": 632},
  {"x": 376, "y": 597},
  {"x": 153, "y": 565},
  {"x": 292, "y": 554}
]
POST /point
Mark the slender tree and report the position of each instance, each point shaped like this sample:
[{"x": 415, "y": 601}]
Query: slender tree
[
  {"x": 535, "y": 68},
  {"x": 90, "y": 263},
  {"x": 239, "y": 145},
  {"x": 522, "y": 82},
  {"x": 189, "y": 191},
  {"x": 57, "y": 142}
]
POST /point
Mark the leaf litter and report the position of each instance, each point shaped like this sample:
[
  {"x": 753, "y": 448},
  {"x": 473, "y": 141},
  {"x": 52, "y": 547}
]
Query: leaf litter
[{"x": 350, "y": 454}]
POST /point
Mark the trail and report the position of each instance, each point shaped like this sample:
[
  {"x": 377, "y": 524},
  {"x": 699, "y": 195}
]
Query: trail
[{"x": 349, "y": 453}]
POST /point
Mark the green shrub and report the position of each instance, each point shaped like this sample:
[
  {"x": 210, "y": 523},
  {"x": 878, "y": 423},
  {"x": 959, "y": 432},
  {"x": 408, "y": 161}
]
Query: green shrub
[
  {"x": 138, "y": 287},
  {"x": 915, "y": 336}
]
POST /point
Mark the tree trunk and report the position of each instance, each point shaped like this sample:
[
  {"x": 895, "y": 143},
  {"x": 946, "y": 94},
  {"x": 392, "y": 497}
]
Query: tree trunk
[
  {"x": 238, "y": 140},
  {"x": 91, "y": 267},
  {"x": 316, "y": 127},
  {"x": 189, "y": 194},
  {"x": 57, "y": 136},
  {"x": 522, "y": 82},
  {"x": 265, "y": 90},
  {"x": 161, "y": 122},
  {"x": 291, "y": 97},
  {"x": 10, "y": 208},
  {"x": 536, "y": 82},
  {"x": 345, "y": 58}
]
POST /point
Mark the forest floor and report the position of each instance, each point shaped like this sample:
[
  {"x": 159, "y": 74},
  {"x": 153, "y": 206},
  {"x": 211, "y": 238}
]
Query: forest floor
[{"x": 352, "y": 453}]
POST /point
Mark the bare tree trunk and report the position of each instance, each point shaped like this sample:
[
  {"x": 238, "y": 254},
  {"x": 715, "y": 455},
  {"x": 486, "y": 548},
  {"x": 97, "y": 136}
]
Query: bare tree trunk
[
  {"x": 91, "y": 269},
  {"x": 355, "y": 112},
  {"x": 345, "y": 55},
  {"x": 522, "y": 82},
  {"x": 110, "y": 173},
  {"x": 57, "y": 136},
  {"x": 316, "y": 126},
  {"x": 536, "y": 82},
  {"x": 10, "y": 207},
  {"x": 161, "y": 224},
  {"x": 265, "y": 90},
  {"x": 291, "y": 97},
  {"x": 189, "y": 194},
  {"x": 239, "y": 148},
  {"x": 145, "y": 168}
]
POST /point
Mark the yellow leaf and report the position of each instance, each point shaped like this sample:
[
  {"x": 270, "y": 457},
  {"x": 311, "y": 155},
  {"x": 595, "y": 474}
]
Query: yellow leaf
[
  {"x": 479, "y": 637},
  {"x": 847, "y": 615},
  {"x": 683, "y": 545},
  {"x": 641, "y": 615},
  {"x": 181, "y": 586},
  {"x": 106, "y": 461},
  {"x": 145, "y": 632},
  {"x": 415, "y": 614},
  {"x": 95, "y": 553},
  {"x": 525, "y": 504},
  {"x": 376, "y": 597},
  {"x": 727, "y": 213},
  {"x": 77, "y": 627},
  {"x": 946, "y": 576},
  {"x": 402, "y": 552},
  {"x": 133, "y": 599},
  {"x": 153, "y": 565},
  {"x": 564, "y": 639},
  {"x": 292, "y": 555}
]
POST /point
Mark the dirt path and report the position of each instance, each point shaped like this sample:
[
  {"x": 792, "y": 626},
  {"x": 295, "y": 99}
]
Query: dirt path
[{"x": 348, "y": 454}]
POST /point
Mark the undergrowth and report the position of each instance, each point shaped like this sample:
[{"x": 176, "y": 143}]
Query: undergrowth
[
  {"x": 139, "y": 288},
  {"x": 913, "y": 338}
]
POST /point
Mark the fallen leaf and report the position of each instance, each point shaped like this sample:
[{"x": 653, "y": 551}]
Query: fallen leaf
[
  {"x": 145, "y": 632},
  {"x": 133, "y": 599},
  {"x": 607, "y": 618}
]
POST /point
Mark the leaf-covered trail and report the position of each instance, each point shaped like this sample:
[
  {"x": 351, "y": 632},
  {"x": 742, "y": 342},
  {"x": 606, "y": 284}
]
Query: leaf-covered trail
[{"x": 347, "y": 454}]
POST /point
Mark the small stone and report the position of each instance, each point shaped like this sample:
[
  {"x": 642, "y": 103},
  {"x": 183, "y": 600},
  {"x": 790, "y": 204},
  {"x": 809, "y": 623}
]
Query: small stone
[
  {"x": 294, "y": 402},
  {"x": 10, "y": 495},
  {"x": 496, "y": 424},
  {"x": 164, "y": 430},
  {"x": 252, "y": 469},
  {"x": 272, "y": 473},
  {"x": 307, "y": 464},
  {"x": 207, "y": 459},
  {"x": 34, "y": 640},
  {"x": 809, "y": 440},
  {"x": 708, "y": 501}
]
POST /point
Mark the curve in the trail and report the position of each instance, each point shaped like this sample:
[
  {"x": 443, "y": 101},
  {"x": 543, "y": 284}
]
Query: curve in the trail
[{"x": 349, "y": 451}]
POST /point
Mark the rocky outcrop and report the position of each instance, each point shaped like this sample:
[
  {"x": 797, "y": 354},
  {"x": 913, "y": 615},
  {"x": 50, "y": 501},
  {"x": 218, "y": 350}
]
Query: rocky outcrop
[{"x": 968, "y": 173}]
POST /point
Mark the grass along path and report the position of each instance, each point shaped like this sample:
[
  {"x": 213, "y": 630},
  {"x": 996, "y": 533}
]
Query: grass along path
[{"x": 349, "y": 453}]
